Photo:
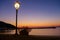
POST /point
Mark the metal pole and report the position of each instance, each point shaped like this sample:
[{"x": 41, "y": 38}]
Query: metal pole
[{"x": 16, "y": 20}]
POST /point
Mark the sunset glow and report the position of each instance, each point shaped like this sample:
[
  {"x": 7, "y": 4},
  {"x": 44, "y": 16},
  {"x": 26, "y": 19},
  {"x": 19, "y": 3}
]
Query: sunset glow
[{"x": 31, "y": 13}]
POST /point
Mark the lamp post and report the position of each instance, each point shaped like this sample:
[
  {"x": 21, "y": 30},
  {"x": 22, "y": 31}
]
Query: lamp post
[{"x": 16, "y": 5}]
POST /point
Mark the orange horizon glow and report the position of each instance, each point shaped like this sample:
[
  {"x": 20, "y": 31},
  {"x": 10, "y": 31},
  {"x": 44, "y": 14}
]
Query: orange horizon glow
[
  {"x": 35, "y": 24},
  {"x": 38, "y": 24}
]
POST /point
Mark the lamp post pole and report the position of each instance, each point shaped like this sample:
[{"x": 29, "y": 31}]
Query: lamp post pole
[
  {"x": 16, "y": 5},
  {"x": 16, "y": 20}
]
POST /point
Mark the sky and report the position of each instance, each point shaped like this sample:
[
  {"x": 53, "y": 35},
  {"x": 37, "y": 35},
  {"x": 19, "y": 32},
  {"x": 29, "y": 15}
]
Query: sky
[{"x": 31, "y": 12}]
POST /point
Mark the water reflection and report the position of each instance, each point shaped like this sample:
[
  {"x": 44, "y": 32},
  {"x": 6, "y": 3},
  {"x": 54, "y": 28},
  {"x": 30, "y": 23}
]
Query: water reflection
[
  {"x": 50, "y": 32},
  {"x": 54, "y": 32}
]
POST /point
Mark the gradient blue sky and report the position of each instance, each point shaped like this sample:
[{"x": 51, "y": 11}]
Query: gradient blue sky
[{"x": 31, "y": 12}]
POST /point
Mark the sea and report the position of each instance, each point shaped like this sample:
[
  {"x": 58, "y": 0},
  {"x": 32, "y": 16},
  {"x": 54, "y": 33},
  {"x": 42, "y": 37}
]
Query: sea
[{"x": 41, "y": 32}]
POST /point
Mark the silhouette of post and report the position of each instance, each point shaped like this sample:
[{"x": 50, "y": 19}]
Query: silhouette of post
[
  {"x": 16, "y": 19},
  {"x": 16, "y": 5}
]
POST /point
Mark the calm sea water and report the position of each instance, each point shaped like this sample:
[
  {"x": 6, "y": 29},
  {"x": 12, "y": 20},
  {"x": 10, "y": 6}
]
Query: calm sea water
[
  {"x": 53, "y": 32},
  {"x": 49, "y": 32}
]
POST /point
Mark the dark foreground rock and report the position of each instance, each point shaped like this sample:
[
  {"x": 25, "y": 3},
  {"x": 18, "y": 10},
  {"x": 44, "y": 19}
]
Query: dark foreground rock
[{"x": 31, "y": 37}]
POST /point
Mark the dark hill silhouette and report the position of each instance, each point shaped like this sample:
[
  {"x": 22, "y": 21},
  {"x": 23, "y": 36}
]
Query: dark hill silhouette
[{"x": 4, "y": 25}]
